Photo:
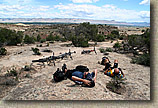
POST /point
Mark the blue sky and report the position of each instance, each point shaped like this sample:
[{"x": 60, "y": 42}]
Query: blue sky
[{"x": 119, "y": 10}]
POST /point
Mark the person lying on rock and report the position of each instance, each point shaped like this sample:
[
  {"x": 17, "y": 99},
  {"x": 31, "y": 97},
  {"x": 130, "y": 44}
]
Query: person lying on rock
[
  {"x": 82, "y": 77},
  {"x": 114, "y": 71}
]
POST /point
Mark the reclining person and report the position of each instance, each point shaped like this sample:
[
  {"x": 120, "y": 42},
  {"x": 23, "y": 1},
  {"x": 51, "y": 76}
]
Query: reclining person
[
  {"x": 82, "y": 78},
  {"x": 106, "y": 63},
  {"x": 114, "y": 71}
]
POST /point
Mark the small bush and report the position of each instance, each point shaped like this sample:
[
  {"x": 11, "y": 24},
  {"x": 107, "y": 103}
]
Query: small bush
[
  {"x": 36, "y": 51},
  {"x": 57, "y": 38},
  {"x": 39, "y": 45},
  {"x": 63, "y": 40},
  {"x": 50, "y": 37},
  {"x": 47, "y": 44},
  {"x": 116, "y": 85},
  {"x": 142, "y": 60},
  {"x": 117, "y": 45},
  {"x": 102, "y": 50},
  {"x": 27, "y": 68},
  {"x": 109, "y": 49},
  {"x": 121, "y": 37},
  {"x": 100, "y": 38},
  {"x": 80, "y": 41},
  {"x": 12, "y": 72},
  {"x": 3, "y": 51},
  {"x": 29, "y": 40},
  {"x": 38, "y": 38},
  {"x": 42, "y": 40}
]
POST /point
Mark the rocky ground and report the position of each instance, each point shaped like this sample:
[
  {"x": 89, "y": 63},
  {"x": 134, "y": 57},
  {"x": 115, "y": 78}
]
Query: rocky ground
[{"x": 39, "y": 84}]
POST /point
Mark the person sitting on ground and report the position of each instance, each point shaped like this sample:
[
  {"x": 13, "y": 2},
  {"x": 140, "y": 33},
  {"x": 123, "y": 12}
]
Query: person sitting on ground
[
  {"x": 83, "y": 78},
  {"x": 114, "y": 71}
]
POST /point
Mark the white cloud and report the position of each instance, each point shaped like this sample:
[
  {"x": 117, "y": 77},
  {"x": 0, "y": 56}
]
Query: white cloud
[
  {"x": 43, "y": 8},
  {"x": 10, "y": 7},
  {"x": 145, "y": 14},
  {"x": 84, "y": 11},
  {"x": 13, "y": 2},
  {"x": 106, "y": 12},
  {"x": 84, "y": 1},
  {"x": 145, "y": 2}
]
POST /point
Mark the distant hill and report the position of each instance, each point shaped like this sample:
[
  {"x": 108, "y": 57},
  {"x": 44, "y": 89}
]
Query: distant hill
[{"x": 70, "y": 20}]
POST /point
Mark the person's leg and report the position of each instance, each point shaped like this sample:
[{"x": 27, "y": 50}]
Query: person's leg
[
  {"x": 115, "y": 63},
  {"x": 95, "y": 75}
]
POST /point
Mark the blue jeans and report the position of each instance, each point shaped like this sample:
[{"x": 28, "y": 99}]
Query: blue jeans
[{"x": 79, "y": 74}]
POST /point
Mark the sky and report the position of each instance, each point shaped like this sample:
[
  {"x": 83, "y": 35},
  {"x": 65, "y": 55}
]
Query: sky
[{"x": 118, "y": 10}]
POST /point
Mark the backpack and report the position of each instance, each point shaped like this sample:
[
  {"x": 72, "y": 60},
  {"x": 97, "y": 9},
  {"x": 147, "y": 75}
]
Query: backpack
[
  {"x": 82, "y": 68},
  {"x": 58, "y": 75}
]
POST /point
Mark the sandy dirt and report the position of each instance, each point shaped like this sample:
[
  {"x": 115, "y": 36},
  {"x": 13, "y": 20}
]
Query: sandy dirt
[{"x": 41, "y": 87}]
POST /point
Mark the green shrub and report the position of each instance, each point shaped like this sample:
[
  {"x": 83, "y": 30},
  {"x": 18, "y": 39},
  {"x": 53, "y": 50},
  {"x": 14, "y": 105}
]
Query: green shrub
[
  {"x": 10, "y": 37},
  {"x": 121, "y": 37},
  {"x": 42, "y": 40},
  {"x": 36, "y": 51},
  {"x": 3, "y": 51},
  {"x": 79, "y": 41},
  {"x": 38, "y": 38},
  {"x": 12, "y": 72},
  {"x": 117, "y": 45},
  {"x": 115, "y": 32},
  {"x": 39, "y": 45},
  {"x": 109, "y": 49},
  {"x": 100, "y": 38},
  {"x": 29, "y": 40},
  {"x": 27, "y": 68},
  {"x": 63, "y": 40},
  {"x": 50, "y": 37},
  {"x": 102, "y": 50},
  {"x": 142, "y": 60},
  {"x": 57, "y": 38},
  {"x": 47, "y": 44},
  {"x": 116, "y": 85}
]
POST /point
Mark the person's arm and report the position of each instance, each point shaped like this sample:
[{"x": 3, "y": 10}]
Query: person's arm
[
  {"x": 87, "y": 82},
  {"x": 95, "y": 77},
  {"x": 121, "y": 72}
]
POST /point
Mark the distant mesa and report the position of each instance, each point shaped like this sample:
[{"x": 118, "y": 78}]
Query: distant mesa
[
  {"x": 20, "y": 24},
  {"x": 69, "y": 20}
]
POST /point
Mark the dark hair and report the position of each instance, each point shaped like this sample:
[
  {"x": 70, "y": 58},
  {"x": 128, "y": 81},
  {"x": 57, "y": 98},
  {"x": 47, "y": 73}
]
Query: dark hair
[{"x": 92, "y": 84}]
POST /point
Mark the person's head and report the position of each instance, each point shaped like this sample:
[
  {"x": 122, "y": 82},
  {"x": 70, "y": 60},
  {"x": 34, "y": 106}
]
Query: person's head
[
  {"x": 116, "y": 71},
  {"x": 106, "y": 61},
  {"x": 92, "y": 84},
  {"x": 90, "y": 78}
]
